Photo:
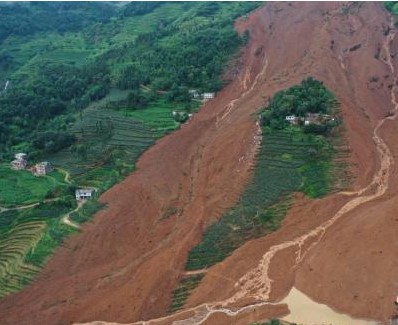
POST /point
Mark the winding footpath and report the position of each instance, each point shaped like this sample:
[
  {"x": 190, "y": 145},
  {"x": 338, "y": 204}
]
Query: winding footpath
[{"x": 66, "y": 218}]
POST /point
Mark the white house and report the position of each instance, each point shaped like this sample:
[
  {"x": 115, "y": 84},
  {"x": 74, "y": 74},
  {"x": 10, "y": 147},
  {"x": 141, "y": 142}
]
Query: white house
[
  {"x": 20, "y": 161},
  {"x": 84, "y": 194},
  {"x": 197, "y": 95},
  {"x": 194, "y": 93},
  {"x": 207, "y": 96},
  {"x": 292, "y": 119},
  {"x": 21, "y": 156}
]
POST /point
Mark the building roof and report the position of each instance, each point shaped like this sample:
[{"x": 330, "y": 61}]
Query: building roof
[
  {"x": 84, "y": 191},
  {"x": 20, "y": 155},
  {"x": 43, "y": 163}
]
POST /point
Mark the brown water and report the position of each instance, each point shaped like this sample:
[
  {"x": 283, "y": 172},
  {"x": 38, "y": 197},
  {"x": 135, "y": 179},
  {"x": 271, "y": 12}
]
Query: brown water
[{"x": 303, "y": 310}]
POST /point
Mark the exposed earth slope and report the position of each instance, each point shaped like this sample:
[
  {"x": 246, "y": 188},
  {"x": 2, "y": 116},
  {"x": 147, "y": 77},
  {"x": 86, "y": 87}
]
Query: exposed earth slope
[{"x": 340, "y": 250}]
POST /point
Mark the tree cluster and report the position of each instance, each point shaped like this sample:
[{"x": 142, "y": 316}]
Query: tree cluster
[{"x": 310, "y": 96}]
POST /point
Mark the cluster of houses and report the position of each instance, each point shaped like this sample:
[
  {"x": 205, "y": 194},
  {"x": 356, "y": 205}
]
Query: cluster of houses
[
  {"x": 309, "y": 118},
  {"x": 43, "y": 168},
  {"x": 21, "y": 163},
  {"x": 201, "y": 96}
]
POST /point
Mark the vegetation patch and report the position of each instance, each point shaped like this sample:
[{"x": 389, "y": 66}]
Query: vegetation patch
[{"x": 180, "y": 295}]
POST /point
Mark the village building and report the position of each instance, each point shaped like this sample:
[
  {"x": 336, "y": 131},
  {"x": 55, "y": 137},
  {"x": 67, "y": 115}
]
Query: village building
[
  {"x": 20, "y": 162},
  {"x": 194, "y": 93},
  {"x": 292, "y": 119},
  {"x": 204, "y": 96},
  {"x": 207, "y": 96},
  {"x": 310, "y": 118},
  {"x": 42, "y": 168},
  {"x": 84, "y": 194}
]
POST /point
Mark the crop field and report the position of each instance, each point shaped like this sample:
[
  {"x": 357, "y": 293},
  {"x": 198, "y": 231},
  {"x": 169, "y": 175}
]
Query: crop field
[
  {"x": 108, "y": 141},
  {"x": 28, "y": 237},
  {"x": 111, "y": 140},
  {"x": 21, "y": 187},
  {"x": 288, "y": 161},
  {"x": 14, "y": 272},
  {"x": 158, "y": 116}
]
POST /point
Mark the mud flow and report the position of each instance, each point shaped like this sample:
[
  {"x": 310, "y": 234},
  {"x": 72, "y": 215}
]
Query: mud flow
[{"x": 339, "y": 251}]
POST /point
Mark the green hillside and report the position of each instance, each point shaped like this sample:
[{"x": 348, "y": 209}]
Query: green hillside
[{"x": 89, "y": 87}]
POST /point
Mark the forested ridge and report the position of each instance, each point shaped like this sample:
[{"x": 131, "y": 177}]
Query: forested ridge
[{"x": 58, "y": 58}]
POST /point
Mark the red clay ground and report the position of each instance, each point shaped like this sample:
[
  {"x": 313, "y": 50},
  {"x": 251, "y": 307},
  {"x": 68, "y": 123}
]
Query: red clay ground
[{"x": 125, "y": 264}]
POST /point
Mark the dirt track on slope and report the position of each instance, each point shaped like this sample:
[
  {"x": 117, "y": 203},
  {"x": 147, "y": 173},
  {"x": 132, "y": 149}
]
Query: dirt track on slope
[{"x": 124, "y": 265}]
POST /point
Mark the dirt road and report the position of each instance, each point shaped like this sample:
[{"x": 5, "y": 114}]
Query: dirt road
[{"x": 125, "y": 264}]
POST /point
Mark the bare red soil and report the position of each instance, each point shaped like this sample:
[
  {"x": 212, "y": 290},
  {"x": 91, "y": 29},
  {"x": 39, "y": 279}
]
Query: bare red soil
[{"x": 125, "y": 264}]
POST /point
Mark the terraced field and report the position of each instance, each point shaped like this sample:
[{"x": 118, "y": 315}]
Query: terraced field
[
  {"x": 111, "y": 140},
  {"x": 159, "y": 116},
  {"x": 28, "y": 237},
  {"x": 285, "y": 164},
  {"x": 107, "y": 139},
  {"x": 14, "y": 246}
]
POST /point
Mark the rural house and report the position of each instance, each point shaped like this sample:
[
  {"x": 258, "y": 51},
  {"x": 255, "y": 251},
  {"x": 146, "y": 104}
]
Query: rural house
[
  {"x": 42, "y": 168},
  {"x": 310, "y": 118},
  {"x": 315, "y": 118},
  {"x": 207, "y": 96},
  {"x": 204, "y": 96},
  {"x": 84, "y": 194},
  {"x": 20, "y": 161},
  {"x": 194, "y": 93},
  {"x": 292, "y": 119}
]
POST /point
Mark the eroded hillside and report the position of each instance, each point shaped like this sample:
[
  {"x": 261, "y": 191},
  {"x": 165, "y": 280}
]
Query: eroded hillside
[{"x": 339, "y": 250}]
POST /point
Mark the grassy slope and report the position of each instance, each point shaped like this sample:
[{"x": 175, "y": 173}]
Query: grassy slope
[{"x": 21, "y": 187}]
